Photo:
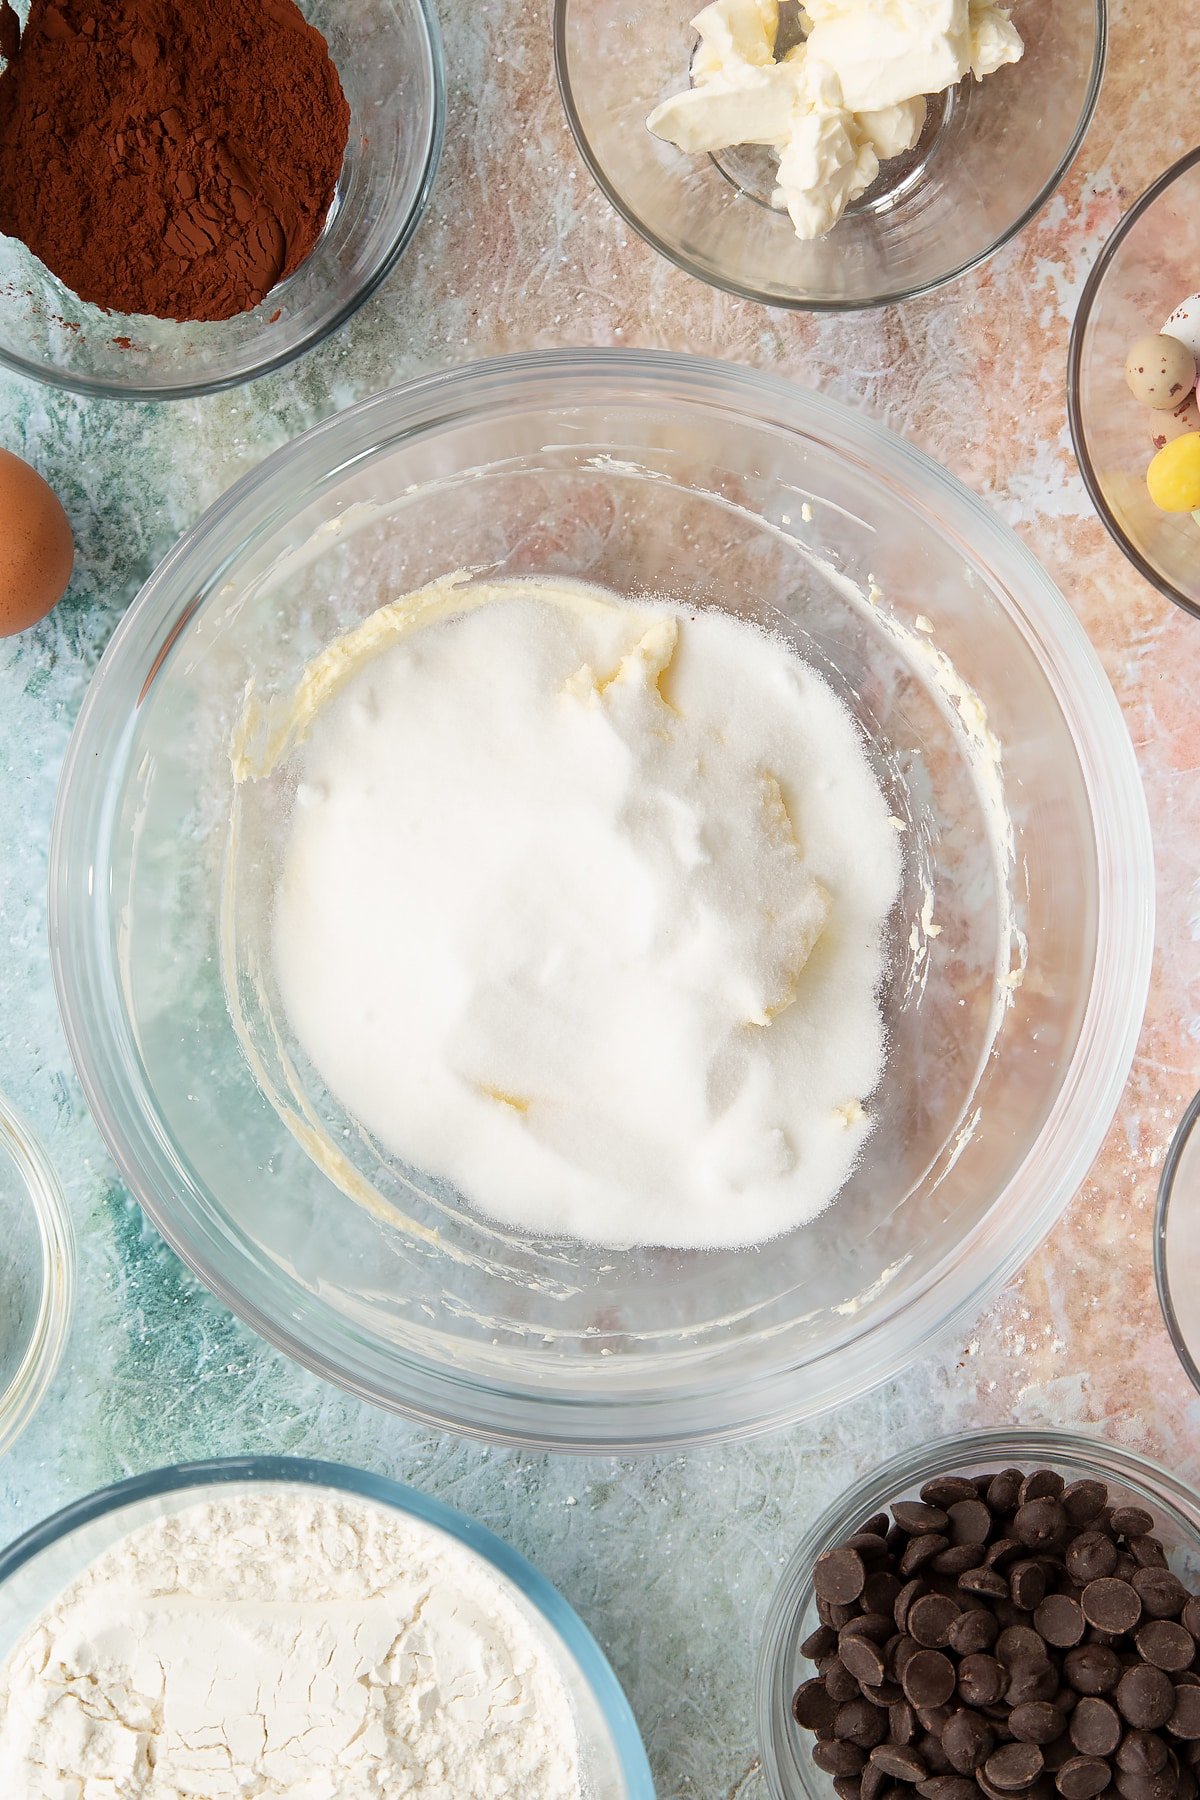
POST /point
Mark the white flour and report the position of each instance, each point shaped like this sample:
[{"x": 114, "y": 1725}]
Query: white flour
[
  {"x": 582, "y": 908},
  {"x": 284, "y": 1642}
]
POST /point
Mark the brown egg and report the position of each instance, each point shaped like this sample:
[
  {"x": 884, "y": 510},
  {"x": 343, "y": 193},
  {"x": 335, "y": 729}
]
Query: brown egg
[{"x": 36, "y": 548}]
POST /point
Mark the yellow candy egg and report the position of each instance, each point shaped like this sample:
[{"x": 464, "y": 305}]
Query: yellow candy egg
[{"x": 1174, "y": 476}]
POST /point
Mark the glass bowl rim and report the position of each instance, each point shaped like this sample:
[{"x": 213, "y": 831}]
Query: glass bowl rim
[
  {"x": 487, "y": 1407},
  {"x": 793, "y": 302},
  {"x": 557, "y": 1613},
  {"x": 1166, "y": 1191},
  {"x": 21, "y": 1147},
  {"x": 94, "y": 387},
  {"x": 1100, "y": 1457},
  {"x": 1075, "y": 419}
]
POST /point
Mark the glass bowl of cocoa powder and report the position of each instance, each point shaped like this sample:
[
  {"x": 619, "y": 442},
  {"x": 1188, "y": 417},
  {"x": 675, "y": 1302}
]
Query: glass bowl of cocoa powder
[{"x": 227, "y": 233}]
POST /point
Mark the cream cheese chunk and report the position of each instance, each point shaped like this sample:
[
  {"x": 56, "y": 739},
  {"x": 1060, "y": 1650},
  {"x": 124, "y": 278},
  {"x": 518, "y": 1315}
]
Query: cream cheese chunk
[{"x": 850, "y": 96}]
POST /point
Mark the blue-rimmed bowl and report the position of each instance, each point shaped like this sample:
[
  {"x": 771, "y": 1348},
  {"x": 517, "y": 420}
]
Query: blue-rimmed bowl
[{"x": 36, "y": 1568}]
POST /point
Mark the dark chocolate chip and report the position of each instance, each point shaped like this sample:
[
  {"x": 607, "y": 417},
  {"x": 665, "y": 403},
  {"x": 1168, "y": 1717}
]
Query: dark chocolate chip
[
  {"x": 973, "y": 1630},
  {"x": 902, "y": 1723},
  {"x": 858, "y": 1722},
  {"x": 958, "y": 1559},
  {"x": 900, "y": 1761},
  {"x": 1111, "y": 1604},
  {"x": 945, "y": 1490},
  {"x": 918, "y": 1518},
  {"x": 1020, "y": 1644},
  {"x": 1090, "y": 1557},
  {"x": 812, "y": 1706},
  {"x": 819, "y": 1643},
  {"x": 930, "y": 1620},
  {"x": 948, "y": 1787},
  {"x": 870, "y": 1546},
  {"x": 874, "y": 1782},
  {"x": 1036, "y": 1722},
  {"x": 920, "y": 1550},
  {"x": 1191, "y": 1616},
  {"x": 1168, "y": 1646},
  {"x": 885, "y": 1695},
  {"x": 847, "y": 1787},
  {"x": 877, "y": 1626},
  {"x": 982, "y": 1680},
  {"x": 837, "y": 1758},
  {"x": 934, "y": 1757},
  {"x": 988, "y": 1582},
  {"x": 1042, "y": 1484},
  {"x": 881, "y": 1591},
  {"x": 970, "y": 1522},
  {"x": 1059, "y": 1620},
  {"x": 1163, "y": 1786},
  {"x": 1095, "y": 1727},
  {"x": 1163, "y": 1595},
  {"x": 1148, "y": 1552},
  {"x": 901, "y": 1655},
  {"x": 1032, "y": 1681},
  {"x": 1083, "y": 1778},
  {"x": 1005, "y": 1552},
  {"x": 839, "y": 1576},
  {"x": 878, "y": 1525},
  {"x": 1146, "y": 1697},
  {"x": 1014, "y": 1767},
  {"x": 1039, "y": 1523},
  {"x": 1027, "y": 1585},
  {"x": 928, "y": 1678},
  {"x": 1004, "y": 1492},
  {"x": 1141, "y": 1753},
  {"x": 838, "y": 1679},
  {"x": 1083, "y": 1501},
  {"x": 967, "y": 1740},
  {"x": 1131, "y": 1521},
  {"x": 912, "y": 1590},
  {"x": 1184, "y": 1721}
]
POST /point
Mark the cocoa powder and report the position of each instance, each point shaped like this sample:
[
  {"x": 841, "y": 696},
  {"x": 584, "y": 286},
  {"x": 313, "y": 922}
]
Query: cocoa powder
[{"x": 172, "y": 157}]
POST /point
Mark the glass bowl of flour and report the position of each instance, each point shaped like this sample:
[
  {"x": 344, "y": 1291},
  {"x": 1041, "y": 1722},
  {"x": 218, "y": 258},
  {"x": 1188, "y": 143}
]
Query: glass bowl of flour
[
  {"x": 37, "y": 1274},
  {"x": 386, "y": 1640},
  {"x": 910, "y": 831}
]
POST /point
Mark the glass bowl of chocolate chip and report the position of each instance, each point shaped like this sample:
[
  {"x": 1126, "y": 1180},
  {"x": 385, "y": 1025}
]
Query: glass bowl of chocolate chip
[
  {"x": 183, "y": 210},
  {"x": 1002, "y": 1616}
]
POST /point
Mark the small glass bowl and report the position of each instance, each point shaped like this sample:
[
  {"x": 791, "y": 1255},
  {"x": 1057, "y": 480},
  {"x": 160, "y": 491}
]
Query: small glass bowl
[
  {"x": 37, "y": 1274},
  {"x": 41, "y": 1563},
  {"x": 1177, "y": 1242},
  {"x": 1149, "y": 264},
  {"x": 992, "y": 154},
  {"x": 388, "y": 54},
  {"x": 792, "y": 1615}
]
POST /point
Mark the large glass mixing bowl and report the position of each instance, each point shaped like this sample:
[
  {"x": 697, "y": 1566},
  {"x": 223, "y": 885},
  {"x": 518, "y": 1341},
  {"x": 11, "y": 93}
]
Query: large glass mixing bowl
[{"x": 987, "y": 717}]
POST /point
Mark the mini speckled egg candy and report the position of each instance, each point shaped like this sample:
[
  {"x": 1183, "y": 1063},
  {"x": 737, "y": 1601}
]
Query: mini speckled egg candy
[
  {"x": 1174, "y": 476},
  {"x": 36, "y": 548},
  {"x": 1184, "y": 324},
  {"x": 1161, "y": 372},
  {"x": 1165, "y": 427}
]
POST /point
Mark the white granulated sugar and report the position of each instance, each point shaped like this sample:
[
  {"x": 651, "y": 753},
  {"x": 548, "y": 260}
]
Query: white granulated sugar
[
  {"x": 582, "y": 909},
  {"x": 285, "y": 1642}
]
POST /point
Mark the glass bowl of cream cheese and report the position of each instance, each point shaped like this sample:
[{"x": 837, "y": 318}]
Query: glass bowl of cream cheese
[
  {"x": 37, "y": 1274},
  {"x": 838, "y": 156},
  {"x": 378, "y": 1233}
]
